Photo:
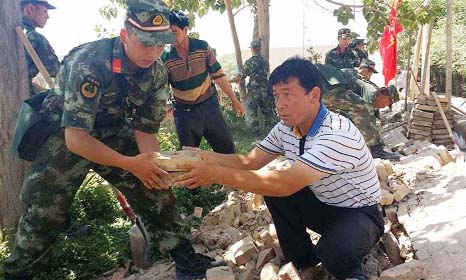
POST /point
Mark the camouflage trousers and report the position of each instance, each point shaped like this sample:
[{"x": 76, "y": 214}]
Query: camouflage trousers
[
  {"x": 360, "y": 112},
  {"x": 51, "y": 183},
  {"x": 259, "y": 98}
]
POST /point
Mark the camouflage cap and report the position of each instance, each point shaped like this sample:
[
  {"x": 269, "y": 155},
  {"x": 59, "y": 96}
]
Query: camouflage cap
[
  {"x": 360, "y": 42},
  {"x": 38, "y": 2},
  {"x": 344, "y": 32},
  {"x": 369, "y": 64},
  {"x": 256, "y": 44},
  {"x": 149, "y": 19}
]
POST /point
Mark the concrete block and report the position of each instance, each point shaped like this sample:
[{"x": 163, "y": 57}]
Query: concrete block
[
  {"x": 288, "y": 272},
  {"x": 264, "y": 257},
  {"x": 269, "y": 272},
  {"x": 242, "y": 251},
  {"x": 407, "y": 271},
  {"x": 220, "y": 273}
]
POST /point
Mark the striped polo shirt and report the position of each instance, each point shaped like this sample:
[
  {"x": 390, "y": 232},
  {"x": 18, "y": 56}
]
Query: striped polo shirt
[
  {"x": 335, "y": 146},
  {"x": 191, "y": 79}
]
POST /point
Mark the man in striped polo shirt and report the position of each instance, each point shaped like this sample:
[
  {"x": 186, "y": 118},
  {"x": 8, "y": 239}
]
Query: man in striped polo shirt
[
  {"x": 331, "y": 187},
  {"x": 192, "y": 68}
]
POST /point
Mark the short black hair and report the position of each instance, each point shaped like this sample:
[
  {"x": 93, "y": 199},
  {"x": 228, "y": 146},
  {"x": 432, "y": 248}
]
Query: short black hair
[
  {"x": 178, "y": 18},
  {"x": 299, "y": 68}
]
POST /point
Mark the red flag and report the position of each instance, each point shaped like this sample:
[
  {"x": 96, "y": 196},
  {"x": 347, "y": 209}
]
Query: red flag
[{"x": 388, "y": 45}]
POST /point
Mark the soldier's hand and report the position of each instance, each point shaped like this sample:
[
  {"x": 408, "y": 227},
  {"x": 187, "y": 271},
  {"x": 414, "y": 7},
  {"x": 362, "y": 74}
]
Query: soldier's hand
[
  {"x": 143, "y": 167},
  {"x": 238, "y": 107}
]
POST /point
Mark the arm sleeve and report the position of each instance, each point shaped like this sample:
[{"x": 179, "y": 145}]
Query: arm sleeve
[
  {"x": 246, "y": 70},
  {"x": 82, "y": 92},
  {"x": 45, "y": 52},
  {"x": 327, "y": 58},
  {"x": 213, "y": 66}
]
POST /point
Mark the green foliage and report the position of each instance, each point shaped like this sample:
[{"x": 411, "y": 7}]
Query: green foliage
[
  {"x": 314, "y": 55},
  {"x": 97, "y": 239},
  {"x": 193, "y": 7},
  {"x": 95, "y": 202},
  {"x": 4, "y": 252},
  {"x": 87, "y": 255},
  {"x": 207, "y": 198},
  {"x": 344, "y": 14}
]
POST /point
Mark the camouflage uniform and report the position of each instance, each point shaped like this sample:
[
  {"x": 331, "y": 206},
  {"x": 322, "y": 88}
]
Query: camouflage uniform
[
  {"x": 367, "y": 89},
  {"x": 95, "y": 92},
  {"x": 347, "y": 59},
  {"x": 361, "y": 54},
  {"x": 259, "y": 96},
  {"x": 43, "y": 49},
  {"x": 338, "y": 97}
]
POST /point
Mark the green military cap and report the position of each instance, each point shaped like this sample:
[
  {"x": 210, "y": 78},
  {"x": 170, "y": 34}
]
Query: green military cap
[
  {"x": 256, "y": 44},
  {"x": 359, "y": 42},
  {"x": 369, "y": 64},
  {"x": 149, "y": 19},
  {"x": 38, "y": 2},
  {"x": 344, "y": 32}
]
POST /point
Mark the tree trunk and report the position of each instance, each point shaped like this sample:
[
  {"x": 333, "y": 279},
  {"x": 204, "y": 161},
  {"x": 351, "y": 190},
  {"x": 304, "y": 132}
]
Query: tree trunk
[
  {"x": 239, "y": 59},
  {"x": 263, "y": 26},
  {"x": 14, "y": 88}
]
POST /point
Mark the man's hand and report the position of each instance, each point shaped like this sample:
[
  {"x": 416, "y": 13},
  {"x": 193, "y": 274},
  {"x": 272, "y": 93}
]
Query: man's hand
[
  {"x": 200, "y": 174},
  {"x": 238, "y": 107},
  {"x": 143, "y": 167}
]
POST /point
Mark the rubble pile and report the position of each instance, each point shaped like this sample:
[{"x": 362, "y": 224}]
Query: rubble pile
[{"x": 241, "y": 232}]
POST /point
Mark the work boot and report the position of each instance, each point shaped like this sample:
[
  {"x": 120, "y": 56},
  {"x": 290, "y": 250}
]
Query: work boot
[
  {"x": 377, "y": 151},
  {"x": 189, "y": 265}
]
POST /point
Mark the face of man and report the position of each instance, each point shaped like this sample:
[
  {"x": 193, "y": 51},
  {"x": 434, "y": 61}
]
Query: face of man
[
  {"x": 361, "y": 47},
  {"x": 37, "y": 14},
  {"x": 181, "y": 35},
  {"x": 344, "y": 41},
  {"x": 295, "y": 106},
  {"x": 366, "y": 72},
  {"x": 138, "y": 54}
]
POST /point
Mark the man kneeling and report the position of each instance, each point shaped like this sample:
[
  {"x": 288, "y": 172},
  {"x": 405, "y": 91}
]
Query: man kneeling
[{"x": 331, "y": 187}]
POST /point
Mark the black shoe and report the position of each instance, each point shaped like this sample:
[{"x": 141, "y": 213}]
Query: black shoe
[
  {"x": 377, "y": 151},
  {"x": 190, "y": 265}
]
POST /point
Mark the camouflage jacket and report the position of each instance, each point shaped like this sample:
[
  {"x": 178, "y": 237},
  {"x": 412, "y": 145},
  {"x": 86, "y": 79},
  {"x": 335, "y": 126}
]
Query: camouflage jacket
[
  {"x": 96, "y": 91},
  {"x": 347, "y": 59},
  {"x": 257, "y": 68},
  {"x": 43, "y": 50},
  {"x": 361, "y": 54}
]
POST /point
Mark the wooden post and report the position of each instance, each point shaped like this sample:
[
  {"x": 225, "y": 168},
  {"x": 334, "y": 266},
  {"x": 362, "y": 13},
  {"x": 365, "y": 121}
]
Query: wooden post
[
  {"x": 415, "y": 66},
  {"x": 425, "y": 82},
  {"x": 449, "y": 54}
]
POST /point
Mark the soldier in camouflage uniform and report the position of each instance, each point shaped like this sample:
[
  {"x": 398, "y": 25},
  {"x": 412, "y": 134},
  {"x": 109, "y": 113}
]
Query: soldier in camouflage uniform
[
  {"x": 110, "y": 99},
  {"x": 359, "y": 46},
  {"x": 364, "y": 87},
  {"x": 35, "y": 14},
  {"x": 258, "y": 95},
  {"x": 342, "y": 56},
  {"x": 338, "y": 97}
]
